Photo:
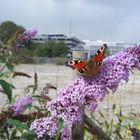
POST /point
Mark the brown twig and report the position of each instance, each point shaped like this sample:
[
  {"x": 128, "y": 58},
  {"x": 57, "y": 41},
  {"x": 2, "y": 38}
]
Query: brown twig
[
  {"x": 31, "y": 116},
  {"x": 95, "y": 129},
  {"x": 8, "y": 113},
  {"x": 78, "y": 128}
]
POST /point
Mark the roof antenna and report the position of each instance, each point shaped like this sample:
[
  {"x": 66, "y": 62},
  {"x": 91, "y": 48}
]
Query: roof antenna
[{"x": 70, "y": 25}]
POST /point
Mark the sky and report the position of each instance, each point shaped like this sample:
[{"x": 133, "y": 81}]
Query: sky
[{"x": 108, "y": 20}]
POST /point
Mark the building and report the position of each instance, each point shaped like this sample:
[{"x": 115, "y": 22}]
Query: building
[
  {"x": 71, "y": 42},
  {"x": 91, "y": 47},
  {"x": 43, "y": 38}
]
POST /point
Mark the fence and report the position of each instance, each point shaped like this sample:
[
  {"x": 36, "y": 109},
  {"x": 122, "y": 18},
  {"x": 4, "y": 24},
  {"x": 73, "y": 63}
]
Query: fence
[{"x": 126, "y": 97}]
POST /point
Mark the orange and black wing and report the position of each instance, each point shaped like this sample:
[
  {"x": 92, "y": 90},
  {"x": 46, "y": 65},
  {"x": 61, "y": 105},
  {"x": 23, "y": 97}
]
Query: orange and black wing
[
  {"x": 100, "y": 54},
  {"x": 95, "y": 62},
  {"x": 91, "y": 67},
  {"x": 76, "y": 64}
]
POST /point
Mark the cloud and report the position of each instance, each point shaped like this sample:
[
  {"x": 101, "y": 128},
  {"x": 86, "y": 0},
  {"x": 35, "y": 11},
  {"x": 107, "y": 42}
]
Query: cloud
[{"x": 89, "y": 19}]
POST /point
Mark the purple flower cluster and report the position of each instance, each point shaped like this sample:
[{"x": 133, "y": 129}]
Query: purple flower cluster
[
  {"x": 66, "y": 132},
  {"x": 19, "y": 106},
  {"x": 116, "y": 68},
  {"x": 45, "y": 125},
  {"x": 88, "y": 92},
  {"x": 22, "y": 39},
  {"x": 27, "y": 36},
  {"x": 65, "y": 108}
]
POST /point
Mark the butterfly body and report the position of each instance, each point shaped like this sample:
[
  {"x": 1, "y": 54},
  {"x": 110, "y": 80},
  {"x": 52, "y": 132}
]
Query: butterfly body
[{"x": 92, "y": 66}]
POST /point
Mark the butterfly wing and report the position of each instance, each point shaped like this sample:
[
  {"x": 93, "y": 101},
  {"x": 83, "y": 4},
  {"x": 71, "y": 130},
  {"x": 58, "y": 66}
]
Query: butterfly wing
[
  {"x": 95, "y": 62},
  {"x": 91, "y": 67},
  {"x": 76, "y": 64},
  {"x": 100, "y": 54}
]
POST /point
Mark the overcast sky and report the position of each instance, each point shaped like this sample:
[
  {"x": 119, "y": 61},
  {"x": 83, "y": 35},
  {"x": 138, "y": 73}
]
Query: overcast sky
[{"x": 108, "y": 20}]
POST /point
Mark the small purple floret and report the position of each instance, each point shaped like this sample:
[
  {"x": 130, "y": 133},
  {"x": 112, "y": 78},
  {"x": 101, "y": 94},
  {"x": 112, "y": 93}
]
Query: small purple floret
[
  {"x": 44, "y": 125},
  {"x": 19, "y": 106}
]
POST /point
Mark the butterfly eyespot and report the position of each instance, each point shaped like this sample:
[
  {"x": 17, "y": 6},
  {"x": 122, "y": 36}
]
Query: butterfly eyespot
[
  {"x": 72, "y": 62},
  {"x": 82, "y": 71},
  {"x": 76, "y": 61},
  {"x": 99, "y": 63}
]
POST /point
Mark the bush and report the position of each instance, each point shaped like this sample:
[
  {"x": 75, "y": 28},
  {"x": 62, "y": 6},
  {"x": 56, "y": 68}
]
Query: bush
[{"x": 51, "y": 49}]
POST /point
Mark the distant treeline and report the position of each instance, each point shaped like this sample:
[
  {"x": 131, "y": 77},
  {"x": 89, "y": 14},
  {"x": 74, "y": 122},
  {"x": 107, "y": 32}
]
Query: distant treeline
[{"x": 10, "y": 30}]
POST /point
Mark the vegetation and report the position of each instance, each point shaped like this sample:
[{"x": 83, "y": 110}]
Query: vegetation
[
  {"x": 1, "y": 44},
  {"x": 7, "y": 29},
  {"x": 51, "y": 49},
  {"x": 21, "y": 114},
  {"x": 9, "y": 32}
]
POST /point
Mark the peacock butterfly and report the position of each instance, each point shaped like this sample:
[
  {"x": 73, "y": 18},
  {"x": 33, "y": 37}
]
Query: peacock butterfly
[{"x": 92, "y": 66}]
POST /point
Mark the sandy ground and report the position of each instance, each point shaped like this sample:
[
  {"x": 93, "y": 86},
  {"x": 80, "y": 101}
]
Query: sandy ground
[
  {"x": 127, "y": 96},
  {"x": 58, "y": 76}
]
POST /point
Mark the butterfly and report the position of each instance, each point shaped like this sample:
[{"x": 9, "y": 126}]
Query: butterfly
[{"x": 92, "y": 66}]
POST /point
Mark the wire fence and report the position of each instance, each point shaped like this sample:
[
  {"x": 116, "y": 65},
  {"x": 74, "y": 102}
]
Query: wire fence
[{"x": 126, "y": 97}]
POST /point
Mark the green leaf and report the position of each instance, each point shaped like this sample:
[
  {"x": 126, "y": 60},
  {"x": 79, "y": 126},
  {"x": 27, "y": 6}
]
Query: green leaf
[
  {"x": 7, "y": 89},
  {"x": 13, "y": 134},
  {"x": 3, "y": 137},
  {"x": 23, "y": 126},
  {"x": 137, "y": 123},
  {"x": 10, "y": 66},
  {"x": 18, "y": 124},
  {"x": 60, "y": 124},
  {"x": 1, "y": 74},
  {"x": 29, "y": 135},
  {"x": 29, "y": 106},
  {"x": 7, "y": 132}
]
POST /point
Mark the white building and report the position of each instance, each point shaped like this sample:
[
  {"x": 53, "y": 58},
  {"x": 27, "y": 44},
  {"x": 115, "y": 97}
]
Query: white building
[
  {"x": 71, "y": 42},
  {"x": 91, "y": 47}
]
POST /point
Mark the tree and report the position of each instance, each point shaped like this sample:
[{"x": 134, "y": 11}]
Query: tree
[
  {"x": 12, "y": 40},
  {"x": 7, "y": 29},
  {"x": 51, "y": 49},
  {"x": 59, "y": 49},
  {"x": 42, "y": 50}
]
